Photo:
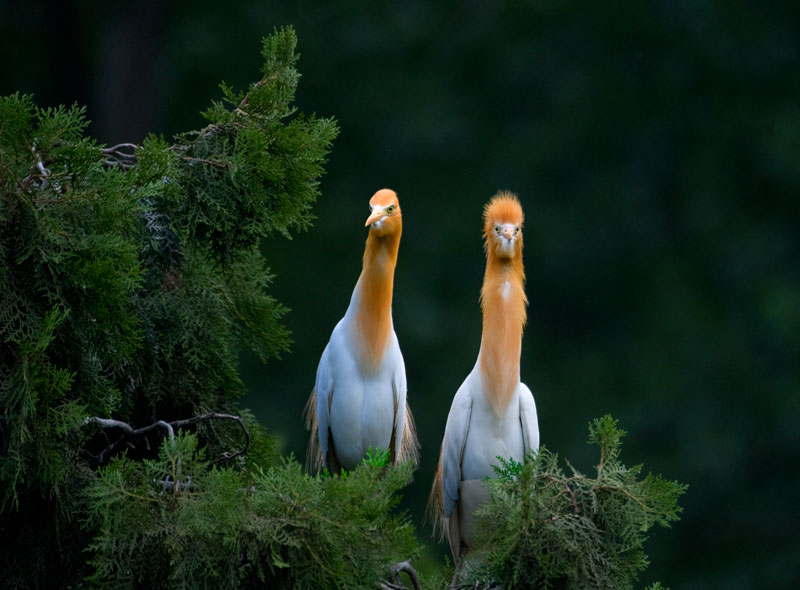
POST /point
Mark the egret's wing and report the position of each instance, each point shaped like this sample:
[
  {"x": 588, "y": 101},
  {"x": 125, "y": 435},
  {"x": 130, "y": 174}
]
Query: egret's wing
[
  {"x": 528, "y": 419},
  {"x": 404, "y": 436},
  {"x": 399, "y": 389},
  {"x": 455, "y": 437},
  {"x": 324, "y": 389},
  {"x": 318, "y": 414}
]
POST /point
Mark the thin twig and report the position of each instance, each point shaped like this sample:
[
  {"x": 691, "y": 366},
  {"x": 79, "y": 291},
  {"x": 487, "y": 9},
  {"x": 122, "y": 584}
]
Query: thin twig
[
  {"x": 133, "y": 433},
  {"x": 259, "y": 84},
  {"x": 573, "y": 498},
  {"x": 119, "y": 158},
  {"x": 627, "y": 493},
  {"x": 216, "y": 416},
  {"x": 183, "y": 486},
  {"x": 204, "y": 161},
  {"x": 119, "y": 164}
]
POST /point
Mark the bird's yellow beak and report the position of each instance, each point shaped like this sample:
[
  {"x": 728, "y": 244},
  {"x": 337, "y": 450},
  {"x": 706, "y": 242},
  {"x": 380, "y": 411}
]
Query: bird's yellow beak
[{"x": 376, "y": 214}]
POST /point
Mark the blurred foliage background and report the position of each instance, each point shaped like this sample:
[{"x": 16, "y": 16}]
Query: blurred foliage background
[{"x": 656, "y": 149}]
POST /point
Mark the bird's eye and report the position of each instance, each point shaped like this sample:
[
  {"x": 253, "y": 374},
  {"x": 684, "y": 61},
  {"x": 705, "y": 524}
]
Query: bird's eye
[
  {"x": 389, "y": 209},
  {"x": 516, "y": 230},
  {"x": 497, "y": 229}
]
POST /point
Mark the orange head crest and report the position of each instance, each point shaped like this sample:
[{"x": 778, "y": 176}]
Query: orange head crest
[{"x": 502, "y": 225}]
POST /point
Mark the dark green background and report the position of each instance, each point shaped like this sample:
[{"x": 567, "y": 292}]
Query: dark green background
[{"x": 656, "y": 149}]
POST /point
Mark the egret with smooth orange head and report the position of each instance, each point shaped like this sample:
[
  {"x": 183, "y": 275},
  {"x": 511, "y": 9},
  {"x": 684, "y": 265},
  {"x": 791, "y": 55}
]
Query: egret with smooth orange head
[{"x": 359, "y": 397}]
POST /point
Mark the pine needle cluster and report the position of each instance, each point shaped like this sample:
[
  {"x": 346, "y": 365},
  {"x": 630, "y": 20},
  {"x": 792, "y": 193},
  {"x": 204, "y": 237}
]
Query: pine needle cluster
[
  {"x": 177, "y": 522},
  {"x": 547, "y": 528},
  {"x": 131, "y": 281}
]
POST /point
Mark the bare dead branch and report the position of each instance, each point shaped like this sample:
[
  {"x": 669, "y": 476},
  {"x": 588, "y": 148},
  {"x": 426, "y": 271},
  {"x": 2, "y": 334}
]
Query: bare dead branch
[
  {"x": 130, "y": 434},
  {"x": 118, "y": 147},
  {"x": 38, "y": 170},
  {"x": 125, "y": 160},
  {"x": 394, "y": 576},
  {"x": 182, "y": 486}
]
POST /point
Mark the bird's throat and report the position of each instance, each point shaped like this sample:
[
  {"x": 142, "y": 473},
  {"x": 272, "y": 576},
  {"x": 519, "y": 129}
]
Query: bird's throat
[
  {"x": 376, "y": 283},
  {"x": 503, "y": 303}
]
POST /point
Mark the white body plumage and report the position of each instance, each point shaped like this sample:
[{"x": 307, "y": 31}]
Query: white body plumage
[
  {"x": 362, "y": 408},
  {"x": 474, "y": 437}
]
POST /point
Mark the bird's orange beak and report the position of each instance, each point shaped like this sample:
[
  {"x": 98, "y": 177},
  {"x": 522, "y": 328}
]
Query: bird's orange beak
[
  {"x": 376, "y": 214},
  {"x": 507, "y": 231}
]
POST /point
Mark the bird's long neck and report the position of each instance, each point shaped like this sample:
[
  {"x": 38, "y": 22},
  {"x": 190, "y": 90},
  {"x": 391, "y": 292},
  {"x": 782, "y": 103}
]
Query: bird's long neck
[
  {"x": 374, "y": 313},
  {"x": 503, "y": 303}
]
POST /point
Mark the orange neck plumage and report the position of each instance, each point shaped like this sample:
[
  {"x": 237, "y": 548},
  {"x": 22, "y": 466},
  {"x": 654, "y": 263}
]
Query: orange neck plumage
[
  {"x": 374, "y": 315},
  {"x": 503, "y": 304}
]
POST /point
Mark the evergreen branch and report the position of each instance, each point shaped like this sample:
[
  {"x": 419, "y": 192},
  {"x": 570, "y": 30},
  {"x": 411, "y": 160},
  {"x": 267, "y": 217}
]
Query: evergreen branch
[
  {"x": 125, "y": 492},
  {"x": 180, "y": 148},
  {"x": 627, "y": 493},
  {"x": 476, "y": 586},
  {"x": 215, "y": 416},
  {"x": 204, "y": 161},
  {"x": 127, "y": 160},
  {"x": 593, "y": 541},
  {"x": 131, "y": 433},
  {"x": 316, "y": 557},
  {"x": 262, "y": 82},
  {"x": 568, "y": 490}
]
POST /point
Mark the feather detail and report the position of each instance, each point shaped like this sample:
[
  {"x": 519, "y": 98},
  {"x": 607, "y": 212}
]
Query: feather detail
[
  {"x": 314, "y": 462},
  {"x": 409, "y": 444},
  {"x": 434, "y": 510}
]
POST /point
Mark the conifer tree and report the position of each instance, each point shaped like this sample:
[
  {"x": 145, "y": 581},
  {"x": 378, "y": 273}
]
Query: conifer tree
[{"x": 131, "y": 280}]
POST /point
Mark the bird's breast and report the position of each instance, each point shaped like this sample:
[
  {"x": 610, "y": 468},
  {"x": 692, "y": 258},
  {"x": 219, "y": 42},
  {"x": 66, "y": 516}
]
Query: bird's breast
[
  {"x": 490, "y": 436},
  {"x": 362, "y": 417},
  {"x": 362, "y": 406}
]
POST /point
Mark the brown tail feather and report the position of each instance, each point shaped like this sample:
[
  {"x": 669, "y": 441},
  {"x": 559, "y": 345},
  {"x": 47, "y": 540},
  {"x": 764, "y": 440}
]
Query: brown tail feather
[
  {"x": 444, "y": 528},
  {"x": 409, "y": 445},
  {"x": 314, "y": 461},
  {"x": 434, "y": 512}
]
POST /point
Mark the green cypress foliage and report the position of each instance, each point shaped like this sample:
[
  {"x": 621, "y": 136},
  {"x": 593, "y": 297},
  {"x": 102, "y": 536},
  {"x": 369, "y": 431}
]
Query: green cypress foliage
[
  {"x": 173, "y": 522},
  {"x": 545, "y": 528},
  {"x": 130, "y": 281}
]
